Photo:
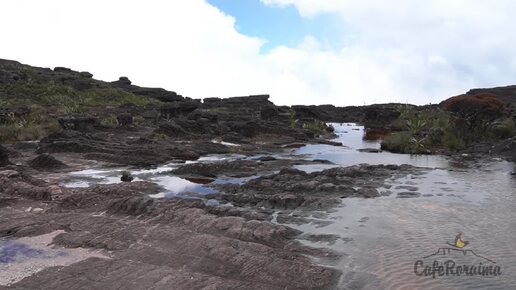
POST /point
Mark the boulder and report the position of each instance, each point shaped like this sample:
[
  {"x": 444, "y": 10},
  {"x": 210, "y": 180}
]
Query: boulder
[
  {"x": 125, "y": 119},
  {"x": 46, "y": 162},
  {"x": 61, "y": 69},
  {"x": 176, "y": 109},
  {"x": 171, "y": 129}
]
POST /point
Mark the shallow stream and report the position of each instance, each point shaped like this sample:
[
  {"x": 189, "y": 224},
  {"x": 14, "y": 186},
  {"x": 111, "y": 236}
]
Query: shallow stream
[{"x": 381, "y": 239}]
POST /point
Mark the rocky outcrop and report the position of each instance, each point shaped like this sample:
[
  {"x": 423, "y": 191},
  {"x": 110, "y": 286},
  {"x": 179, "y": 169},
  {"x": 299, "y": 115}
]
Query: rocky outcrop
[
  {"x": 506, "y": 148},
  {"x": 15, "y": 184},
  {"x": 116, "y": 150},
  {"x": 254, "y": 101},
  {"x": 156, "y": 93},
  {"x": 78, "y": 123},
  {"x": 178, "y": 109},
  {"x": 375, "y": 116},
  {"x": 292, "y": 188},
  {"x": 46, "y": 162},
  {"x": 240, "y": 168}
]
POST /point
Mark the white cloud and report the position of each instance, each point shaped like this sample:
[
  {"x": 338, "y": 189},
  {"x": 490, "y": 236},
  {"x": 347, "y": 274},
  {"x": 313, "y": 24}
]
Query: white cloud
[
  {"x": 423, "y": 51},
  {"x": 400, "y": 50}
]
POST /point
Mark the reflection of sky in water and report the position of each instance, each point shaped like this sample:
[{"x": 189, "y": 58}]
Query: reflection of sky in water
[
  {"x": 383, "y": 237},
  {"x": 85, "y": 178},
  {"x": 351, "y": 137},
  {"x": 173, "y": 186},
  {"x": 11, "y": 251},
  {"x": 178, "y": 187}
]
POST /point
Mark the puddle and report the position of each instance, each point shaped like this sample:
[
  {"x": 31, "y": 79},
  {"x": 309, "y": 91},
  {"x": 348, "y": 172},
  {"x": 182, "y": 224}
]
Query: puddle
[{"x": 26, "y": 256}]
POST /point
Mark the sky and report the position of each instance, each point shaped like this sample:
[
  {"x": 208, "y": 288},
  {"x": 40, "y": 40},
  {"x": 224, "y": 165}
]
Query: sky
[{"x": 341, "y": 52}]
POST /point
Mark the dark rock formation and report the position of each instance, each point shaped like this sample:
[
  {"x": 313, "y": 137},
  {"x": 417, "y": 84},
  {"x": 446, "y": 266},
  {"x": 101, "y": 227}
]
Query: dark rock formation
[
  {"x": 4, "y": 156},
  {"x": 46, "y": 162},
  {"x": 292, "y": 188},
  {"x": 239, "y": 168},
  {"x": 178, "y": 109},
  {"x": 255, "y": 101},
  {"x": 506, "y": 148},
  {"x": 124, "y": 119},
  {"x": 78, "y": 123},
  {"x": 156, "y": 93},
  {"x": 113, "y": 149}
]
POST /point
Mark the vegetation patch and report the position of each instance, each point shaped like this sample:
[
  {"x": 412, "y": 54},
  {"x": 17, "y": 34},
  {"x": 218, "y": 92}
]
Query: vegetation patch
[
  {"x": 462, "y": 121},
  {"x": 317, "y": 127},
  {"x": 404, "y": 142},
  {"x": 109, "y": 121},
  {"x": 33, "y": 126}
]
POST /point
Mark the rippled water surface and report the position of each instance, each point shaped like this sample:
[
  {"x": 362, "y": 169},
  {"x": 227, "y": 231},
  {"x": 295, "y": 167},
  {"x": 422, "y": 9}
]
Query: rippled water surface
[{"x": 382, "y": 238}]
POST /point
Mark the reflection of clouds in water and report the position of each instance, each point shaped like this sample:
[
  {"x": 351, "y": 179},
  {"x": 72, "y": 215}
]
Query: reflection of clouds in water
[
  {"x": 345, "y": 156},
  {"x": 89, "y": 172},
  {"x": 175, "y": 185}
]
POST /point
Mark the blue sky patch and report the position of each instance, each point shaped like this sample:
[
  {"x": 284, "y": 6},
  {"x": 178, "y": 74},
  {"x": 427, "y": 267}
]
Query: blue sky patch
[{"x": 280, "y": 25}]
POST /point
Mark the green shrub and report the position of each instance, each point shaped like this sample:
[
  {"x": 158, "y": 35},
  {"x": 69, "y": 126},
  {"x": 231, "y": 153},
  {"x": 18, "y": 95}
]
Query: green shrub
[
  {"x": 503, "y": 130},
  {"x": 109, "y": 121},
  {"x": 452, "y": 141},
  {"x": 404, "y": 142},
  {"x": 139, "y": 120},
  {"x": 317, "y": 127},
  {"x": 399, "y": 125},
  {"x": 34, "y": 126},
  {"x": 51, "y": 94}
]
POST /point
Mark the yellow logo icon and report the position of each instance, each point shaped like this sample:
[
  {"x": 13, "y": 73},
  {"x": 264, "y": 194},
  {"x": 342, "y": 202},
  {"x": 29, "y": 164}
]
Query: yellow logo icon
[{"x": 459, "y": 242}]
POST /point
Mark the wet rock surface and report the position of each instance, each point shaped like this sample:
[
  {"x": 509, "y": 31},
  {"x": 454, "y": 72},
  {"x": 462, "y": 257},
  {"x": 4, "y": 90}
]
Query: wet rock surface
[
  {"x": 240, "y": 168},
  {"x": 293, "y": 189},
  {"x": 158, "y": 244}
]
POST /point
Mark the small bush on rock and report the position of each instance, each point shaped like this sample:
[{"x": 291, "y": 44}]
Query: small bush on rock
[
  {"x": 503, "y": 130},
  {"x": 317, "y": 127},
  {"x": 109, "y": 121}
]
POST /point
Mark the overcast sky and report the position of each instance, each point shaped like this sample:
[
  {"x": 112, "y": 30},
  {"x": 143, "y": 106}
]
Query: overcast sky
[{"x": 344, "y": 52}]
